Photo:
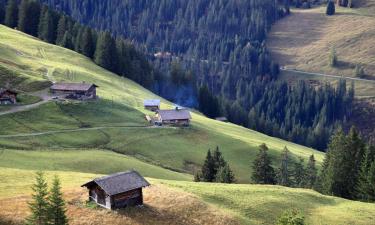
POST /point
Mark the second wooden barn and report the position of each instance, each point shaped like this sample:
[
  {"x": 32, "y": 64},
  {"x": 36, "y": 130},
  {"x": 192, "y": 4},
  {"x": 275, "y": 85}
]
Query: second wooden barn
[{"x": 118, "y": 190}]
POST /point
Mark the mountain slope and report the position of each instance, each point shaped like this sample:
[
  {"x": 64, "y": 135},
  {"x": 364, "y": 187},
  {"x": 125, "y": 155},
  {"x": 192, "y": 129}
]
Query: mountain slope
[
  {"x": 171, "y": 202},
  {"x": 120, "y": 106}
]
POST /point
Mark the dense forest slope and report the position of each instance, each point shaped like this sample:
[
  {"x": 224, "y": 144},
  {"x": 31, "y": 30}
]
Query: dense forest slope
[
  {"x": 117, "y": 118},
  {"x": 304, "y": 40}
]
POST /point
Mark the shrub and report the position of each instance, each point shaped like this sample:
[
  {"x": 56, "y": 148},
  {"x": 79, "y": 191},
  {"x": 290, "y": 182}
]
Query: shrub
[
  {"x": 291, "y": 217},
  {"x": 330, "y": 8}
]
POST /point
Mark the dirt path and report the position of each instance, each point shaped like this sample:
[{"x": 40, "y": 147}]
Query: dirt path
[{"x": 327, "y": 75}]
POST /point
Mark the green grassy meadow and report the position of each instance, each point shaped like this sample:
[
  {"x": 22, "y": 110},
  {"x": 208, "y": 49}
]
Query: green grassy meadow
[{"x": 115, "y": 122}]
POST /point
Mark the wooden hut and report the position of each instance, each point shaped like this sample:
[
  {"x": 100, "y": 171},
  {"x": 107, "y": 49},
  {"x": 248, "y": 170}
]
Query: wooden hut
[
  {"x": 118, "y": 190},
  {"x": 152, "y": 104},
  {"x": 178, "y": 117},
  {"x": 8, "y": 97},
  {"x": 79, "y": 91}
]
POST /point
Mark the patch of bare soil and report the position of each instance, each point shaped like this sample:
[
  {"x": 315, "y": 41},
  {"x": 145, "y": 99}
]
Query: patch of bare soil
[{"x": 163, "y": 205}]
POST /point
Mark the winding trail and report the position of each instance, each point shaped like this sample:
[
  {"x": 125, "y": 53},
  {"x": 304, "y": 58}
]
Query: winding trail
[
  {"x": 72, "y": 130},
  {"x": 326, "y": 75}
]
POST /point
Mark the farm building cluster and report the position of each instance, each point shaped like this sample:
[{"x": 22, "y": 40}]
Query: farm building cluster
[
  {"x": 76, "y": 91},
  {"x": 8, "y": 97},
  {"x": 118, "y": 190},
  {"x": 173, "y": 117}
]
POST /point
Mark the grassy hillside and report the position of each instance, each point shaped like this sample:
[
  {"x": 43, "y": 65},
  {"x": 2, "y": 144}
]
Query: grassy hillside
[
  {"x": 115, "y": 122},
  {"x": 197, "y": 203},
  {"x": 303, "y": 41}
]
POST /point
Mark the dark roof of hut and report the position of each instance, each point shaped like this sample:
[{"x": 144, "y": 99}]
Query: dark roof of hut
[
  {"x": 3, "y": 90},
  {"x": 119, "y": 182},
  {"x": 175, "y": 114},
  {"x": 72, "y": 86}
]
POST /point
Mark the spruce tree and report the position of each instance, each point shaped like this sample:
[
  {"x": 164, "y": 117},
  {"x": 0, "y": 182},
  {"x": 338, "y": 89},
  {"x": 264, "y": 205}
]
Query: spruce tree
[
  {"x": 284, "y": 172},
  {"x": 2, "y": 14},
  {"x": 39, "y": 204},
  {"x": 353, "y": 158},
  {"x": 330, "y": 8},
  {"x": 263, "y": 172},
  {"x": 62, "y": 28},
  {"x": 299, "y": 173},
  {"x": 225, "y": 175},
  {"x": 311, "y": 173},
  {"x": 208, "y": 168},
  {"x": 332, "y": 175},
  {"x": 87, "y": 43},
  {"x": 105, "y": 53},
  {"x": 363, "y": 186},
  {"x": 66, "y": 42},
  {"x": 28, "y": 17},
  {"x": 218, "y": 159},
  {"x": 56, "y": 205},
  {"x": 46, "y": 26},
  {"x": 11, "y": 14}
]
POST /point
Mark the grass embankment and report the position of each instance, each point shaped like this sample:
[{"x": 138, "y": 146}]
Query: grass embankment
[
  {"x": 303, "y": 41},
  {"x": 180, "y": 202},
  {"x": 120, "y": 106}
]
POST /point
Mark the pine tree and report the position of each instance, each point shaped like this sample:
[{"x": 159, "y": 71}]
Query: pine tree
[
  {"x": 11, "y": 14},
  {"x": 87, "y": 43},
  {"x": 105, "y": 53},
  {"x": 2, "y": 14},
  {"x": 28, "y": 17},
  {"x": 218, "y": 159},
  {"x": 225, "y": 175},
  {"x": 311, "y": 173},
  {"x": 39, "y": 204},
  {"x": 208, "y": 168},
  {"x": 263, "y": 172},
  {"x": 299, "y": 173},
  {"x": 56, "y": 207},
  {"x": 371, "y": 183},
  {"x": 284, "y": 173},
  {"x": 353, "y": 158},
  {"x": 66, "y": 42},
  {"x": 332, "y": 175},
  {"x": 62, "y": 28},
  {"x": 330, "y": 8},
  {"x": 363, "y": 186},
  {"x": 46, "y": 28}
]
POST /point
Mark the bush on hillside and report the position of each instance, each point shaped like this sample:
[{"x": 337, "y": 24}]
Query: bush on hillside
[{"x": 291, "y": 217}]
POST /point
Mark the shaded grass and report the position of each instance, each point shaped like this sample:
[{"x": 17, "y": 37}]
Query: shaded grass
[{"x": 257, "y": 204}]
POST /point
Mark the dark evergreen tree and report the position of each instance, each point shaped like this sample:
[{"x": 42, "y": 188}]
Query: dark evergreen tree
[
  {"x": 56, "y": 205},
  {"x": 62, "y": 29},
  {"x": 331, "y": 9},
  {"x": 39, "y": 204},
  {"x": 46, "y": 30},
  {"x": 66, "y": 42},
  {"x": 225, "y": 175},
  {"x": 311, "y": 173},
  {"x": 87, "y": 45},
  {"x": 218, "y": 159},
  {"x": 263, "y": 172},
  {"x": 105, "y": 53},
  {"x": 284, "y": 173},
  {"x": 28, "y": 17},
  {"x": 11, "y": 14},
  {"x": 299, "y": 173},
  {"x": 208, "y": 168},
  {"x": 2, "y": 14},
  {"x": 364, "y": 184}
]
